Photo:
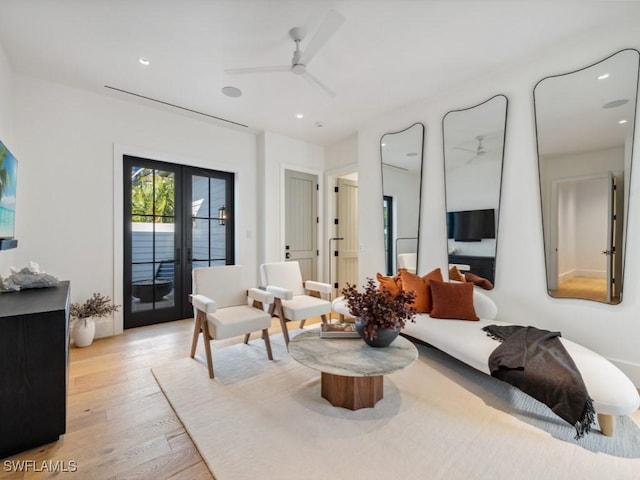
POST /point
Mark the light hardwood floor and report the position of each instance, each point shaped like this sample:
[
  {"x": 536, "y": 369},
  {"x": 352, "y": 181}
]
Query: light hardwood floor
[
  {"x": 119, "y": 424},
  {"x": 582, "y": 287}
]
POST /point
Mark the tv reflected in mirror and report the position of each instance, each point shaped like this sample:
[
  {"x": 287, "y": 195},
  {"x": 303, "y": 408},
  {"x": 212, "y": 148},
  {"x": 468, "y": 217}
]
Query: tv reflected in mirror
[{"x": 471, "y": 225}]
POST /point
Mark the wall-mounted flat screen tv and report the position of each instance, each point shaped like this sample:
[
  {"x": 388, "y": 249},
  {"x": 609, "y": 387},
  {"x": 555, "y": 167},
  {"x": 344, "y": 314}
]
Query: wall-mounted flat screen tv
[
  {"x": 471, "y": 225},
  {"x": 8, "y": 177}
]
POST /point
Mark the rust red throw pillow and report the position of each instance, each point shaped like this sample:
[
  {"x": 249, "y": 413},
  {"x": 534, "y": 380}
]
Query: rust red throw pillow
[
  {"x": 420, "y": 285},
  {"x": 452, "y": 300},
  {"x": 478, "y": 280},
  {"x": 392, "y": 284}
]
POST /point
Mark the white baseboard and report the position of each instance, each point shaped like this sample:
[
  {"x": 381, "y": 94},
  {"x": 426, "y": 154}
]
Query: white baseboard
[
  {"x": 590, "y": 273},
  {"x": 104, "y": 327},
  {"x": 564, "y": 276},
  {"x": 578, "y": 272}
]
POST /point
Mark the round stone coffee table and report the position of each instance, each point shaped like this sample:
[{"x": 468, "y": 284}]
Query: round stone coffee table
[{"x": 351, "y": 370}]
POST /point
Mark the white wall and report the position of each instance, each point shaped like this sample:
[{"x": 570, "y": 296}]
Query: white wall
[
  {"x": 520, "y": 291},
  {"x": 70, "y": 190},
  {"x": 277, "y": 154},
  {"x": 592, "y": 227},
  {"x": 567, "y": 241},
  {"x": 7, "y": 257}
]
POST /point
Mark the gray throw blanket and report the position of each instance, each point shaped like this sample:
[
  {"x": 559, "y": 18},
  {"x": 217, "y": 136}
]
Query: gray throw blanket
[{"x": 536, "y": 362}]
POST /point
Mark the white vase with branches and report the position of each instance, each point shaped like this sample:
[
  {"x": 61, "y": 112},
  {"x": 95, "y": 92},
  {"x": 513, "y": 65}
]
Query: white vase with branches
[{"x": 84, "y": 329}]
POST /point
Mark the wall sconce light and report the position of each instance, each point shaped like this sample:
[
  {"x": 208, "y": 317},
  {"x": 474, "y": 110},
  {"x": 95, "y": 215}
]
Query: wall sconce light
[{"x": 222, "y": 215}]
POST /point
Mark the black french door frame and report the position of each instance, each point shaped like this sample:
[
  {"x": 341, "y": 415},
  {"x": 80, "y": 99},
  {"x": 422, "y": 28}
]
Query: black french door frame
[
  {"x": 179, "y": 265},
  {"x": 387, "y": 207}
]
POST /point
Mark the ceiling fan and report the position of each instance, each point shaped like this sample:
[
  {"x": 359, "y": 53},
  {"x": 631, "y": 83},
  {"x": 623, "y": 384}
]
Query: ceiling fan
[
  {"x": 478, "y": 151},
  {"x": 329, "y": 25}
]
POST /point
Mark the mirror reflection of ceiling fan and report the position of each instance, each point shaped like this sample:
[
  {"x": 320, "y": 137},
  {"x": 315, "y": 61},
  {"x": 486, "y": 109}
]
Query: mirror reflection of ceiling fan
[
  {"x": 329, "y": 25},
  {"x": 478, "y": 151}
]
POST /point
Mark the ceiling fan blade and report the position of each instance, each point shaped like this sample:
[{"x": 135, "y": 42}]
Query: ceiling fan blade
[
  {"x": 278, "y": 68},
  {"x": 317, "y": 83},
  {"x": 472, "y": 150},
  {"x": 329, "y": 25}
]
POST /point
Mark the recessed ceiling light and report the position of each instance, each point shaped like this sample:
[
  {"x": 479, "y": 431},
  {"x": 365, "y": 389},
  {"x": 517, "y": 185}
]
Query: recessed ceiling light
[
  {"x": 231, "y": 91},
  {"x": 383, "y": 144},
  {"x": 615, "y": 103},
  {"x": 622, "y": 122},
  {"x": 144, "y": 61},
  {"x": 603, "y": 76},
  {"x": 299, "y": 115}
]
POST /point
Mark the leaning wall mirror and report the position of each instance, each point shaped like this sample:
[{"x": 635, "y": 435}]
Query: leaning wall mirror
[
  {"x": 401, "y": 155},
  {"x": 584, "y": 125},
  {"x": 473, "y": 140}
]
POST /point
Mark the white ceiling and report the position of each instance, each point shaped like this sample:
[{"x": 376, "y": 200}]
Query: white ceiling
[
  {"x": 388, "y": 53},
  {"x": 570, "y": 113}
]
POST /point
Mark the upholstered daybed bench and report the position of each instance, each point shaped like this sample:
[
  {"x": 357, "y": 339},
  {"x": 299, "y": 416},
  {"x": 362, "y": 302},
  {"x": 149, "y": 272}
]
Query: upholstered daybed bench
[{"x": 612, "y": 392}]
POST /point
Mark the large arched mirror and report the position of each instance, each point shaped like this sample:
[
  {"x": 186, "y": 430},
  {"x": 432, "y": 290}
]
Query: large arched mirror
[
  {"x": 401, "y": 156},
  {"x": 473, "y": 140},
  {"x": 584, "y": 125}
]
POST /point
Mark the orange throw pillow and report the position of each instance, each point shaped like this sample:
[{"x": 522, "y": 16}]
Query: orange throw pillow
[
  {"x": 478, "y": 280},
  {"x": 452, "y": 300},
  {"x": 455, "y": 274},
  {"x": 420, "y": 286},
  {"x": 391, "y": 284}
]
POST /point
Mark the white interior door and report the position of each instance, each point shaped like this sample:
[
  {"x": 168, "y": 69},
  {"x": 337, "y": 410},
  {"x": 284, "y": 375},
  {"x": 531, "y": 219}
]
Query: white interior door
[
  {"x": 301, "y": 221},
  {"x": 347, "y": 229}
]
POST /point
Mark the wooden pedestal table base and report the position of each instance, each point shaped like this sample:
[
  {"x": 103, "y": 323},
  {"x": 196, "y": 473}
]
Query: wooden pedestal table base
[
  {"x": 353, "y": 393},
  {"x": 351, "y": 371}
]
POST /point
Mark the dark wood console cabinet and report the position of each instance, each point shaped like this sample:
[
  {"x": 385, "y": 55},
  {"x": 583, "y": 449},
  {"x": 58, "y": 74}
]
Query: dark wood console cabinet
[
  {"x": 482, "y": 266},
  {"x": 34, "y": 360}
]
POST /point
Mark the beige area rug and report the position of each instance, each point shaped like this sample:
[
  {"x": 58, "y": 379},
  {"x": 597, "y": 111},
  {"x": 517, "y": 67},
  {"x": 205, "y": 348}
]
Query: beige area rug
[{"x": 439, "y": 419}]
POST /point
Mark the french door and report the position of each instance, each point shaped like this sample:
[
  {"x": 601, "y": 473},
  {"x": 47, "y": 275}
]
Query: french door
[
  {"x": 176, "y": 218},
  {"x": 387, "y": 219}
]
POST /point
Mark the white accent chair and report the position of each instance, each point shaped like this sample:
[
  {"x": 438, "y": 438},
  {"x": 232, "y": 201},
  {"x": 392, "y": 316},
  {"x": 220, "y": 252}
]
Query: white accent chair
[
  {"x": 229, "y": 315},
  {"x": 294, "y": 300},
  {"x": 408, "y": 261}
]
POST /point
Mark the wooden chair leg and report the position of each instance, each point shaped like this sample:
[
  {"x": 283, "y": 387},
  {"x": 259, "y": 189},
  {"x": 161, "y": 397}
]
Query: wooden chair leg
[
  {"x": 196, "y": 331},
  {"x": 267, "y": 343},
  {"x": 285, "y": 331},
  {"x": 207, "y": 347},
  {"x": 607, "y": 424},
  {"x": 283, "y": 321},
  {"x": 302, "y": 323},
  {"x": 324, "y": 318},
  {"x": 246, "y": 338}
]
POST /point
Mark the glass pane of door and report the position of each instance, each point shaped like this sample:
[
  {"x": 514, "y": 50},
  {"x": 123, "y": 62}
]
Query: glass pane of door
[
  {"x": 387, "y": 219},
  {"x": 152, "y": 239},
  {"x": 152, "y": 242},
  {"x": 210, "y": 220}
]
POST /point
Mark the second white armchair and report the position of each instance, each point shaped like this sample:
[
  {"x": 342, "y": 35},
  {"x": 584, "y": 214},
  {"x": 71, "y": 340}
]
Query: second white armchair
[{"x": 295, "y": 300}]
